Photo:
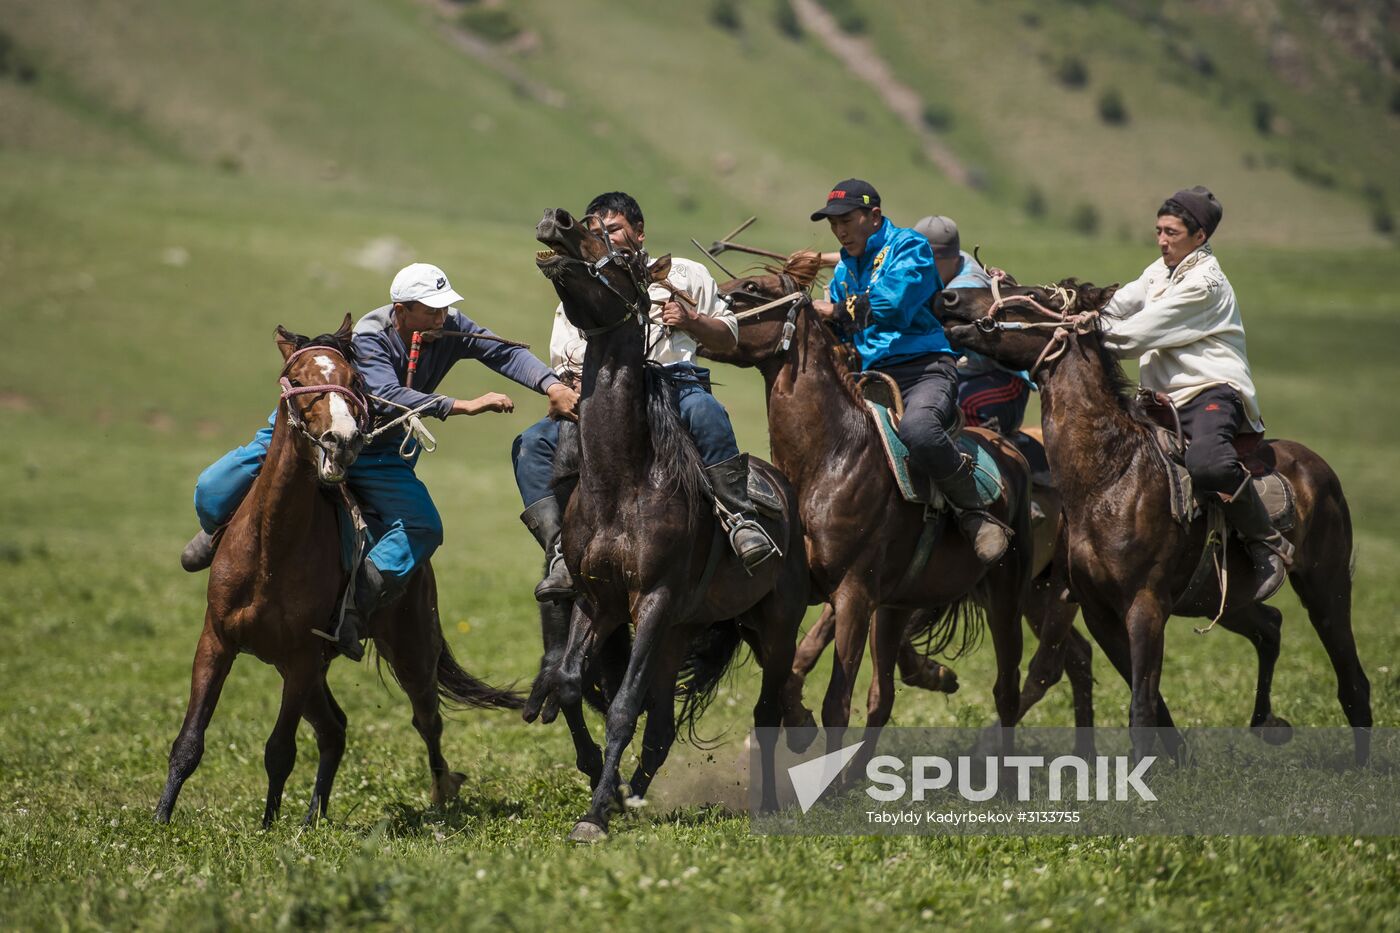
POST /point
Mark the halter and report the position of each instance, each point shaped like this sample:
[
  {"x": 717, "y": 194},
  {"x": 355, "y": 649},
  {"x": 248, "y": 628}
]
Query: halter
[
  {"x": 358, "y": 403},
  {"x": 796, "y": 298},
  {"x": 1064, "y": 324}
]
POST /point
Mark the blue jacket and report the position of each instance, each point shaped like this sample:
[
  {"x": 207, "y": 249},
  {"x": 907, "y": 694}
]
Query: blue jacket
[
  {"x": 382, "y": 359},
  {"x": 897, "y": 272}
]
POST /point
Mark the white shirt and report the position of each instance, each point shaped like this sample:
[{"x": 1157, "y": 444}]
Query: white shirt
[
  {"x": 669, "y": 344},
  {"x": 1187, "y": 328}
]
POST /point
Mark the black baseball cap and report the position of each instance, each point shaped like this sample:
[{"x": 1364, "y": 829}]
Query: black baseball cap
[{"x": 847, "y": 196}]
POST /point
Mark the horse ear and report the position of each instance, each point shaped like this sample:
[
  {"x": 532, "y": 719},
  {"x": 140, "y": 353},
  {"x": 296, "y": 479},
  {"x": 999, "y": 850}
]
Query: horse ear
[
  {"x": 343, "y": 331},
  {"x": 660, "y": 269},
  {"x": 1094, "y": 299},
  {"x": 287, "y": 342}
]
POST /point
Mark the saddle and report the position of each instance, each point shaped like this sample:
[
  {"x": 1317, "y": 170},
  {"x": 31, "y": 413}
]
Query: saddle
[
  {"x": 886, "y": 407},
  {"x": 1256, "y": 456}
]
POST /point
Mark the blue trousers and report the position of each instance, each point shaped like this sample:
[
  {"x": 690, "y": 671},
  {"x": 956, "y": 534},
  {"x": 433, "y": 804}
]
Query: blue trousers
[
  {"x": 382, "y": 481},
  {"x": 532, "y": 454}
]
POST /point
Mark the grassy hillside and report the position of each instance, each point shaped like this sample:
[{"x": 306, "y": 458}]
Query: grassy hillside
[{"x": 176, "y": 179}]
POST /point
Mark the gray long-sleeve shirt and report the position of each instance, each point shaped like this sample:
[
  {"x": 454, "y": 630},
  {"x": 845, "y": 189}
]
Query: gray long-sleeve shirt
[{"x": 382, "y": 359}]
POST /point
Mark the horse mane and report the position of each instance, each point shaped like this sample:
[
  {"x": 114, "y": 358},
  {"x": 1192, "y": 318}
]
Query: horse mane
[
  {"x": 345, "y": 346},
  {"x": 1089, "y": 297},
  {"x": 803, "y": 266},
  {"x": 673, "y": 452}
]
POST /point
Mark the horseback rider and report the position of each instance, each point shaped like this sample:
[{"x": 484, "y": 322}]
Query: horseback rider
[
  {"x": 884, "y": 283},
  {"x": 989, "y": 394},
  {"x": 383, "y": 481},
  {"x": 1181, "y": 318},
  {"x": 698, "y": 319}
]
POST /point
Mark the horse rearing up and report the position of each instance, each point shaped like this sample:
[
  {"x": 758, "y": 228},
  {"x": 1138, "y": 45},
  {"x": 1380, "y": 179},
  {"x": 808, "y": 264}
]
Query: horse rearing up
[
  {"x": 1129, "y": 560},
  {"x": 278, "y": 574},
  {"x": 862, "y": 535},
  {"x": 640, "y": 536}
]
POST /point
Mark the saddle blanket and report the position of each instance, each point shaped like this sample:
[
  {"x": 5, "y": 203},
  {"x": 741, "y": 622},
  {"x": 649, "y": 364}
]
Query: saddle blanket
[{"x": 914, "y": 484}]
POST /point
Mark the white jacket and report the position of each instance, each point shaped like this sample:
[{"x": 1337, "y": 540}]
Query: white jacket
[
  {"x": 1187, "y": 328},
  {"x": 669, "y": 345}
]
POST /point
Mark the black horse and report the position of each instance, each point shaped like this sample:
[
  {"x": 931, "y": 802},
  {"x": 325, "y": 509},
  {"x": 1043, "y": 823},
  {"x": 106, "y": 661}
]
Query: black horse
[{"x": 642, "y": 541}]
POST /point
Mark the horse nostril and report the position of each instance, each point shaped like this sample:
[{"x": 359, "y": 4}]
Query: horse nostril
[
  {"x": 563, "y": 219},
  {"x": 949, "y": 297}
]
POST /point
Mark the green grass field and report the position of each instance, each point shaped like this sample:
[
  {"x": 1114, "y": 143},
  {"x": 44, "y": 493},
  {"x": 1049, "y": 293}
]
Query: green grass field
[{"x": 177, "y": 183}]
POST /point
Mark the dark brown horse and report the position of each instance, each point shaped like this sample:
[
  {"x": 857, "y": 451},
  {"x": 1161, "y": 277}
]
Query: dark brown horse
[
  {"x": 1129, "y": 561},
  {"x": 1066, "y": 651},
  {"x": 861, "y": 533},
  {"x": 277, "y": 575},
  {"x": 640, "y": 536}
]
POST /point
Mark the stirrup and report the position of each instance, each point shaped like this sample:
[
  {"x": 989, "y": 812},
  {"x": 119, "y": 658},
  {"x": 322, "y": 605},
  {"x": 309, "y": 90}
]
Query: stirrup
[{"x": 733, "y": 524}]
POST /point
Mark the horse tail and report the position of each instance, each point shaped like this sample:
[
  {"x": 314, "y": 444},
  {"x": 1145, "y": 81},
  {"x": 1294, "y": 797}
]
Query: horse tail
[
  {"x": 711, "y": 654},
  {"x": 460, "y": 690},
  {"x": 952, "y": 630}
]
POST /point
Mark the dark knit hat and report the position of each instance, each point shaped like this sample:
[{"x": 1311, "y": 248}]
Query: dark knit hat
[{"x": 1202, "y": 206}]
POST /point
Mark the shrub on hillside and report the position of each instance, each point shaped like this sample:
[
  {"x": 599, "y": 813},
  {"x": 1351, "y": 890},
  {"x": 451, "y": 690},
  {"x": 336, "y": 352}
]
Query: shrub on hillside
[
  {"x": 725, "y": 15},
  {"x": 1072, "y": 73},
  {"x": 1112, "y": 110},
  {"x": 785, "y": 18},
  {"x": 1035, "y": 202},
  {"x": 1263, "y": 117},
  {"x": 493, "y": 24},
  {"x": 936, "y": 118},
  {"x": 847, "y": 15},
  {"x": 1085, "y": 219}
]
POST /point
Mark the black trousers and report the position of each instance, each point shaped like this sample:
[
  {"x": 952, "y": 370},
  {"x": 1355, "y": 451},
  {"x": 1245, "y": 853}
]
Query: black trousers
[
  {"x": 1211, "y": 420},
  {"x": 929, "y": 385}
]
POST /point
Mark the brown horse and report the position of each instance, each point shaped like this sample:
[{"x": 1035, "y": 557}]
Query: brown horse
[
  {"x": 641, "y": 539},
  {"x": 862, "y": 534},
  {"x": 1064, "y": 651},
  {"x": 277, "y": 575},
  {"x": 1129, "y": 561}
]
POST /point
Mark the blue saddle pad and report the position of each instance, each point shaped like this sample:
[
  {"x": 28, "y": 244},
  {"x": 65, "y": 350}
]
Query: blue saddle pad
[{"x": 913, "y": 484}]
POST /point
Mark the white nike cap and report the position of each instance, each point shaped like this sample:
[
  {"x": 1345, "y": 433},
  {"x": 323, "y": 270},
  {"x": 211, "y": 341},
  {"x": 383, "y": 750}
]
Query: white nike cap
[{"x": 423, "y": 282}]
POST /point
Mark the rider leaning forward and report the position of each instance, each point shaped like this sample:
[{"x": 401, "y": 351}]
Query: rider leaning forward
[
  {"x": 1181, "y": 318},
  {"x": 407, "y": 523},
  {"x": 690, "y": 314},
  {"x": 884, "y": 281}
]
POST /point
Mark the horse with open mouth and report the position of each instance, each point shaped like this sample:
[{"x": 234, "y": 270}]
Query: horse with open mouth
[
  {"x": 642, "y": 542},
  {"x": 278, "y": 574}
]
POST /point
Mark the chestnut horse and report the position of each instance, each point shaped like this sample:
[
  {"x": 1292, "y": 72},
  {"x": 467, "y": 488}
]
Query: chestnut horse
[
  {"x": 1129, "y": 560},
  {"x": 862, "y": 535},
  {"x": 642, "y": 541},
  {"x": 278, "y": 573},
  {"x": 1068, "y": 652}
]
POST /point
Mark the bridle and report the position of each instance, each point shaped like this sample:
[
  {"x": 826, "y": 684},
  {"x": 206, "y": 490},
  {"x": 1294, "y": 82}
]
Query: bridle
[
  {"x": 795, "y": 299},
  {"x": 633, "y": 263},
  {"x": 352, "y": 393},
  {"x": 1063, "y": 323}
]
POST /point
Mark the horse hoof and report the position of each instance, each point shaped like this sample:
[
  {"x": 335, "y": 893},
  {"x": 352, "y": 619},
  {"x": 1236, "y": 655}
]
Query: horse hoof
[
  {"x": 586, "y": 833},
  {"x": 1275, "y": 730},
  {"x": 550, "y": 711},
  {"x": 936, "y": 678},
  {"x": 800, "y": 738}
]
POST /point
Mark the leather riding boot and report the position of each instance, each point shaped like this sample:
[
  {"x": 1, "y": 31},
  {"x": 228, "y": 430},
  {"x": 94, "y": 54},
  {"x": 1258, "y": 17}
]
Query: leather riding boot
[
  {"x": 545, "y": 522},
  {"x": 989, "y": 538},
  {"x": 370, "y": 594},
  {"x": 1270, "y": 552},
  {"x": 199, "y": 553},
  {"x": 750, "y": 542}
]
